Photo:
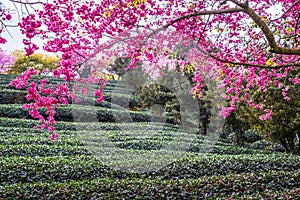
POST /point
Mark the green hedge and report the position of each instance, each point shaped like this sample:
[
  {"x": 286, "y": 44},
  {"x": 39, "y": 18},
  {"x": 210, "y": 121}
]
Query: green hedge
[
  {"x": 11, "y": 131},
  {"x": 204, "y": 188},
  {"x": 12, "y": 96},
  {"x": 37, "y": 139},
  {"x": 118, "y": 90},
  {"x": 42, "y": 169},
  {"x": 41, "y": 140},
  {"x": 225, "y": 149},
  {"x": 5, "y": 79},
  {"x": 42, "y": 150},
  {"x": 81, "y": 113},
  {"x": 50, "y": 168},
  {"x": 211, "y": 164},
  {"x": 27, "y": 124}
]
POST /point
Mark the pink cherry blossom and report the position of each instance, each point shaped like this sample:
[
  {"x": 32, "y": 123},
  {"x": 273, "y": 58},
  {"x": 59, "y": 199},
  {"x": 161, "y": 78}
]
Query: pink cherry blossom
[{"x": 242, "y": 45}]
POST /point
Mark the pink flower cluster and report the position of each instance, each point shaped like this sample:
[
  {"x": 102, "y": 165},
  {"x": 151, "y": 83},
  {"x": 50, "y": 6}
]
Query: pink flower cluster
[
  {"x": 49, "y": 97},
  {"x": 6, "y": 61}
]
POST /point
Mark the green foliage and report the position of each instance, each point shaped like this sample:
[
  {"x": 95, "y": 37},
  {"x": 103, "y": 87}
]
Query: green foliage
[
  {"x": 119, "y": 65},
  {"x": 9, "y": 96},
  {"x": 41, "y": 169},
  {"x": 66, "y": 127},
  {"x": 236, "y": 185},
  {"x": 166, "y": 96},
  {"x": 251, "y": 136},
  {"x": 42, "y": 150},
  {"x": 161, "y": 101}
]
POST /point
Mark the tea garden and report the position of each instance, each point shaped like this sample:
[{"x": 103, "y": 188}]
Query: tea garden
[{"x": 32, "y": 166}]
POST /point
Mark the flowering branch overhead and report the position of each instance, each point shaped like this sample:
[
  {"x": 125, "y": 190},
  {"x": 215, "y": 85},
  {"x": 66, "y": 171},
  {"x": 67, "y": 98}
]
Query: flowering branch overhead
[{"x": 239, "y": 40}]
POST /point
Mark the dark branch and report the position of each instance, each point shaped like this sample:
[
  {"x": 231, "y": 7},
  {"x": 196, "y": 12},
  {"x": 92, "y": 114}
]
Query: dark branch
[
  {"x": 26, "y": 3},
  {"x": 201, "y": 13}
]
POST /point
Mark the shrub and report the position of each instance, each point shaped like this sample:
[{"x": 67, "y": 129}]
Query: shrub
[
  {"x": 261, "y": 144},
  {"x": 251, "y": 136}
]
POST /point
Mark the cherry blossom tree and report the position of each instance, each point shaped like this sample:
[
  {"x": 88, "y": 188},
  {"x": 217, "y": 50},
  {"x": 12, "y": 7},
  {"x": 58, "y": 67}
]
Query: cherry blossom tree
[
  {"x": 6, "y": 61},
  {"x": 244, "y": 44}
]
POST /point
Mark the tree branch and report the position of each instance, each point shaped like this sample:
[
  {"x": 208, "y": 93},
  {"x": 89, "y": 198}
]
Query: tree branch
[
  {"x": 267, "y": 32},
  {"x": 195, "y": 14},
  {"x": 24, "y": 3},
  {"x": 243, "y": 7},
  {"x": 253, "y": 116},
  {"x": 201, "y": 13}
]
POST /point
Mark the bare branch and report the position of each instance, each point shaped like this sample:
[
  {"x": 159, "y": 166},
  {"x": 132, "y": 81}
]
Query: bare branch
[
  {"x": 19, "y": 16},
  {"x": 79, "y": 54},
  {"x": 292, "y": 6},
  {"x": 26, "y": 2},
  {"x": 5, "y": 26},
  {"x": 134, "y": 25}
]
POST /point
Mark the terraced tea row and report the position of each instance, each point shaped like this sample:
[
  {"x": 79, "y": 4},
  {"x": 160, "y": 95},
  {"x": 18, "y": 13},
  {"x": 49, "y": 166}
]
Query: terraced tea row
[
  {"x": 26, "y": 124},
  {"x": 81, "y": 113},
  {"x": 145, "y": 137},
  {"x": 18, "y": 97},
  {"x": 5, "y": 79},
  {"x": 232, "y": 185},
  {"x": 35, "y": 169}
]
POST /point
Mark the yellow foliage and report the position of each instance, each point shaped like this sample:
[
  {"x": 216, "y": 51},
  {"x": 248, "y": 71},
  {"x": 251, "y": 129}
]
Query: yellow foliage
[
  {"x": 107, "y": 76},
  {"x": 134, "y": 3},
  {"x": 106, "y": 14},
  {"x": 221, "y": 72},
  {"x": 190, "y": 69},
  {"x": 197, "y": 93},
  {"x": 289, "y": 30},
  {"x": 229, "y": 65},
  {"x": 38, "y": 61},
  {"x": 217, "y": 29},
  {"x": 111, "y": 77},
  {"x": 271, "y": 62}
]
